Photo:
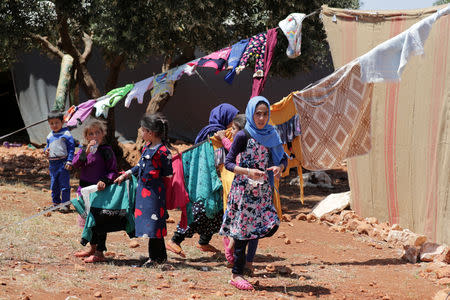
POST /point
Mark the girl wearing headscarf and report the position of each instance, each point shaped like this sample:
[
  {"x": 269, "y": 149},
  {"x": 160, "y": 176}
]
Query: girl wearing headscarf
[
  {"x": 220, "y": 118},
  {"x": 250, "y": 212}
]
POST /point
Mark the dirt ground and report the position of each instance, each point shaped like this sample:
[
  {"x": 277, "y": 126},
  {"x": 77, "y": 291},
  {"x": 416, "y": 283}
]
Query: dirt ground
[{"x": 37, "y": 262}]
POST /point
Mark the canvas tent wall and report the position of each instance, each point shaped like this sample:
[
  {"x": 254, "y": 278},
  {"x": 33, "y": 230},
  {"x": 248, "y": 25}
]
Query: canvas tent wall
[
  {"x": 36, "y": 77},
  {"x": 405, "y": 178}
]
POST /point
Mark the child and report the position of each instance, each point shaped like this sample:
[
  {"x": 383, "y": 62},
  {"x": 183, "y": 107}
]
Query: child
[
  {"x": 155, "y": 163},
  {"x": 98, "y": 166},
  {"x": 250, "y": 212},
  {"x": 237, "y": 125},
  {"x": 59, "y": 150}
]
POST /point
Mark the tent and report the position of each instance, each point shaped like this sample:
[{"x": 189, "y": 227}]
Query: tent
[{"x": 405, "y": 178}]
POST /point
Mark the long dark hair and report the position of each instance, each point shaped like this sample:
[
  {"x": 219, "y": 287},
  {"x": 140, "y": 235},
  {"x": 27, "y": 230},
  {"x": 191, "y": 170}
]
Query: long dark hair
[{"x": 160, "y": 125}]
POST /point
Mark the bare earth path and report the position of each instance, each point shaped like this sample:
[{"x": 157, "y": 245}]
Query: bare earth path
[{"x": 310, "y": 262}]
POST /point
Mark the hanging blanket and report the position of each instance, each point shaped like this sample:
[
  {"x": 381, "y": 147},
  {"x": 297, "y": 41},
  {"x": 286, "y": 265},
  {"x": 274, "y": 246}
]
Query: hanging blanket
[
  {"x": 201, "y": 180},
  {"x": 110, "y": 210},
  {"x": 335, "y": 118}
]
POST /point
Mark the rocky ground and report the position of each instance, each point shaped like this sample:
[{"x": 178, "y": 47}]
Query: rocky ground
[{"x": 337, "y": 256}]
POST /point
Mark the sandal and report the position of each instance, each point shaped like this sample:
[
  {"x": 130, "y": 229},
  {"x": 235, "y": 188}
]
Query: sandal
[
  {"x": 228, "y": 252},
  {"x": 175, "y": 248},
  {"x": 207, "y": 248},
  {"x": 242, "y": 284},
  {"x": 95, "y": 258}
]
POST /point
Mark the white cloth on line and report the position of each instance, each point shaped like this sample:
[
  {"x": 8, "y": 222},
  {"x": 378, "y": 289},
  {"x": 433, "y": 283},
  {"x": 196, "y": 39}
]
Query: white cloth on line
[
  {"x": 102, "y": 106},
  {"x": 139, "y": 90},
  {"x": 386, "y": 61},
  {"x": 292, "y": 29}
]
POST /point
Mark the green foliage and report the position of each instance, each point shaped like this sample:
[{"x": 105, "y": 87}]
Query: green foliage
[
  {"x": 137, "y": 30},
  {"x": 440, "y": 2}
]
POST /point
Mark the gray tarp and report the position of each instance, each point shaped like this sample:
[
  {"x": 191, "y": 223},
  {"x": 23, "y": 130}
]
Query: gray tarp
[{"x": 188, "y": 109}]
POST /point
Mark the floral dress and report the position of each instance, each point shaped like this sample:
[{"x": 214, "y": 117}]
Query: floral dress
[
  {"x": 150, "y": 212},
  {"x": 250, "y": 212}
]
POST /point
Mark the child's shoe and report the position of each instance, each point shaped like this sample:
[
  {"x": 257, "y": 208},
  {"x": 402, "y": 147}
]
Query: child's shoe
[{"x": 207, "y": 248}]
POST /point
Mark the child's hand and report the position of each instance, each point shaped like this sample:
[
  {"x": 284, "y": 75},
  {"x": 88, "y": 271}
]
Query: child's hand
[
  {"x": 68, "y": 166},
  {"x": 255, "y": 174},
  {"x": 90, "y": 145},
  {"x": 220, "y": 134},
  {"x": 101, "y": 185},
  {"x": 121, "y": 178},
  {"x": 47, "y": 152},
  {"x": 276, "y": 171}
]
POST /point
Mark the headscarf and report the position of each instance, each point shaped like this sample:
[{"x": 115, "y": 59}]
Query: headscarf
[
  {"x": 267, "y": 136},
  {"x": 219, "y": 118}
]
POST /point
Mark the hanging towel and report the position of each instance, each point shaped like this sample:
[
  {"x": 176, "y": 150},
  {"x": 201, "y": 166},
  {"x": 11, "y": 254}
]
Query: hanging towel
[
  {"x": 233, "y": 60},
  {"x": 82, "y": 112},
  {"x": 259, "y": 81},
  {"x": 139, "y": 90},
  {"x": 257, "y": 48},
  {"x": 335, "y": 118},
  {"x": 118, "y": 94},
  {"x": 102, "y": 106},
  {"x": 292, "y": 29},
  {"x": 216, "y": 60},
  {"x": 110, "y": 210},
  {"x": 201, "y": 180},
  {"x": 386, "y": 61}
]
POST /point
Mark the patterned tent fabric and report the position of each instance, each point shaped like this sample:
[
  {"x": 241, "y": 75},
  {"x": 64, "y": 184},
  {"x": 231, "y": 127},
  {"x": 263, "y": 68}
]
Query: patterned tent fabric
[{"x": 335, "y": 118}]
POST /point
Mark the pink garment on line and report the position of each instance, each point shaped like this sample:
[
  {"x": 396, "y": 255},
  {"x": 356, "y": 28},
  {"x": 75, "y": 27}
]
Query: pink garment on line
[
  {"x": 213, "y": 59},
  {"x": 176, "y": 195},
  {"x": 258, "y": 82},
  {"x": 82, "y": 112}
]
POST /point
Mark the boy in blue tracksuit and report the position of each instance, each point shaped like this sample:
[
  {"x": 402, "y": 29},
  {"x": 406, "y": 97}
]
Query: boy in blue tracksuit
[{"x": 59, "y": 150}]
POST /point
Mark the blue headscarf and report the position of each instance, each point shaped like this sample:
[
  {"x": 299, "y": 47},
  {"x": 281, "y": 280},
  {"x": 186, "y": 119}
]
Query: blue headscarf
[
  {"x": 220, "y": 117},
  {"x": 267, "y": 136}
]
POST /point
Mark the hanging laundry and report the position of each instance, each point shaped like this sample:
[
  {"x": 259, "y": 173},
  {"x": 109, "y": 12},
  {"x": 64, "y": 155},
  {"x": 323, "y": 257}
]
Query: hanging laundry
[
  {"x": 216, "y": 60},
  {"x": 289, "y": 130},
  {"x": 118, "y": 94},
  {"x": 102, "y": 106},
  {"x": 201, "y": 180},
  {"x": 256, "y": 47},
  {"x": 111, "y": 209},
  {"x": 140, "y": 88},
  {"x": 82, "y": 112},
  {"x": 259, "y": 81},
  {"x": 335, "y": 118},
  {"x": 69, "y": 113},
  {"x": 164, "y": 83},
  {"x": 386, "y": 61},
  {"x": 189, "y": 68},
  {"x": 292, "y": 29},
  {"x": 233, "y": 59},
  {"x": 176, "y": 195}
]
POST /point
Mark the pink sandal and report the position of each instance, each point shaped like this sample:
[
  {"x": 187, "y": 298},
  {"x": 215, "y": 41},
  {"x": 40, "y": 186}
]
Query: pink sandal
[
  {"x": 228, "y": 252},
  {"x": 242, "y": 284}
]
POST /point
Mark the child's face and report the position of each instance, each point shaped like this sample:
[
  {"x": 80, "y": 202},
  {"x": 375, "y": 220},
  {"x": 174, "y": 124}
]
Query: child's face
[
  {"x": 261, "y": 116},
  {"x": 234, "y": 129},
  {"x": 95, "y": 134},
  {"x": 55, "y": 124},
  {"x": 147, "y": 135}
]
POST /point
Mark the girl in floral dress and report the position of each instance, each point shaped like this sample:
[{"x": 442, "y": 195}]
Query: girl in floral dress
[
  {"x": 155, "y": 163},
  {"x": 250, "y": 212}
]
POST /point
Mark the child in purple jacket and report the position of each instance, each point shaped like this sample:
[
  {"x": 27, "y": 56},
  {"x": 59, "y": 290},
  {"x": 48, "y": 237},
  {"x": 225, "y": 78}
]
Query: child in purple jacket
[{"x": 98, "y": 166}]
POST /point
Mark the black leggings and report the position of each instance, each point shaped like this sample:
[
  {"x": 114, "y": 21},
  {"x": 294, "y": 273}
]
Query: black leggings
[
  {"x": 99, "y": 239},
  {"x": 157, "y": 250}
]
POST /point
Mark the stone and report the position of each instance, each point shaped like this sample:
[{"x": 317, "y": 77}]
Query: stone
[
  {"x": 396, "y": 227},
  {"x": 430, "y": 251},
  {"x": 330, "y": 217},
  {"x": 352, "y": 225},
  {"x": 301, "y": 217},
  {"x": 298, "y": 241},
  {"x": 411, "y": 253},
  {"x": 310, "y": 218},
  {"x": 444, "y": 256},
  {"x": 110, "y": 254},
  {"x": 270, "y": 268},
  {"x": 286, "y": 218},
  {"x": 346, "y": 215},
  {"x": 444, "y": 281},
  {"x": 98, "y": 294},
  {"x": 79, "y": 268},
  {"x": 287, "y": 241},
  {"x": 160, "y": 276},
  {"x": 442, "y": 272},
  {"x": 442, "y": 295},
  {"x": 281, "y": 235},
  {"x": 133, "y": 244},
  {"x": 372, "y": 220},
  {"x": 333, "y": 203},
  {"x": 133, "y": 286},
  {"x": 364, "y": 228},
  {"x": 405, "y": 237}
]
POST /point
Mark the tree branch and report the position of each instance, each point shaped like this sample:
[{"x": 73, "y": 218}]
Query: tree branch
[
  {"x": 47, "y": 44},
  {"x": 66, "y": 41},
  {"x": 87, "y": 39}
]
